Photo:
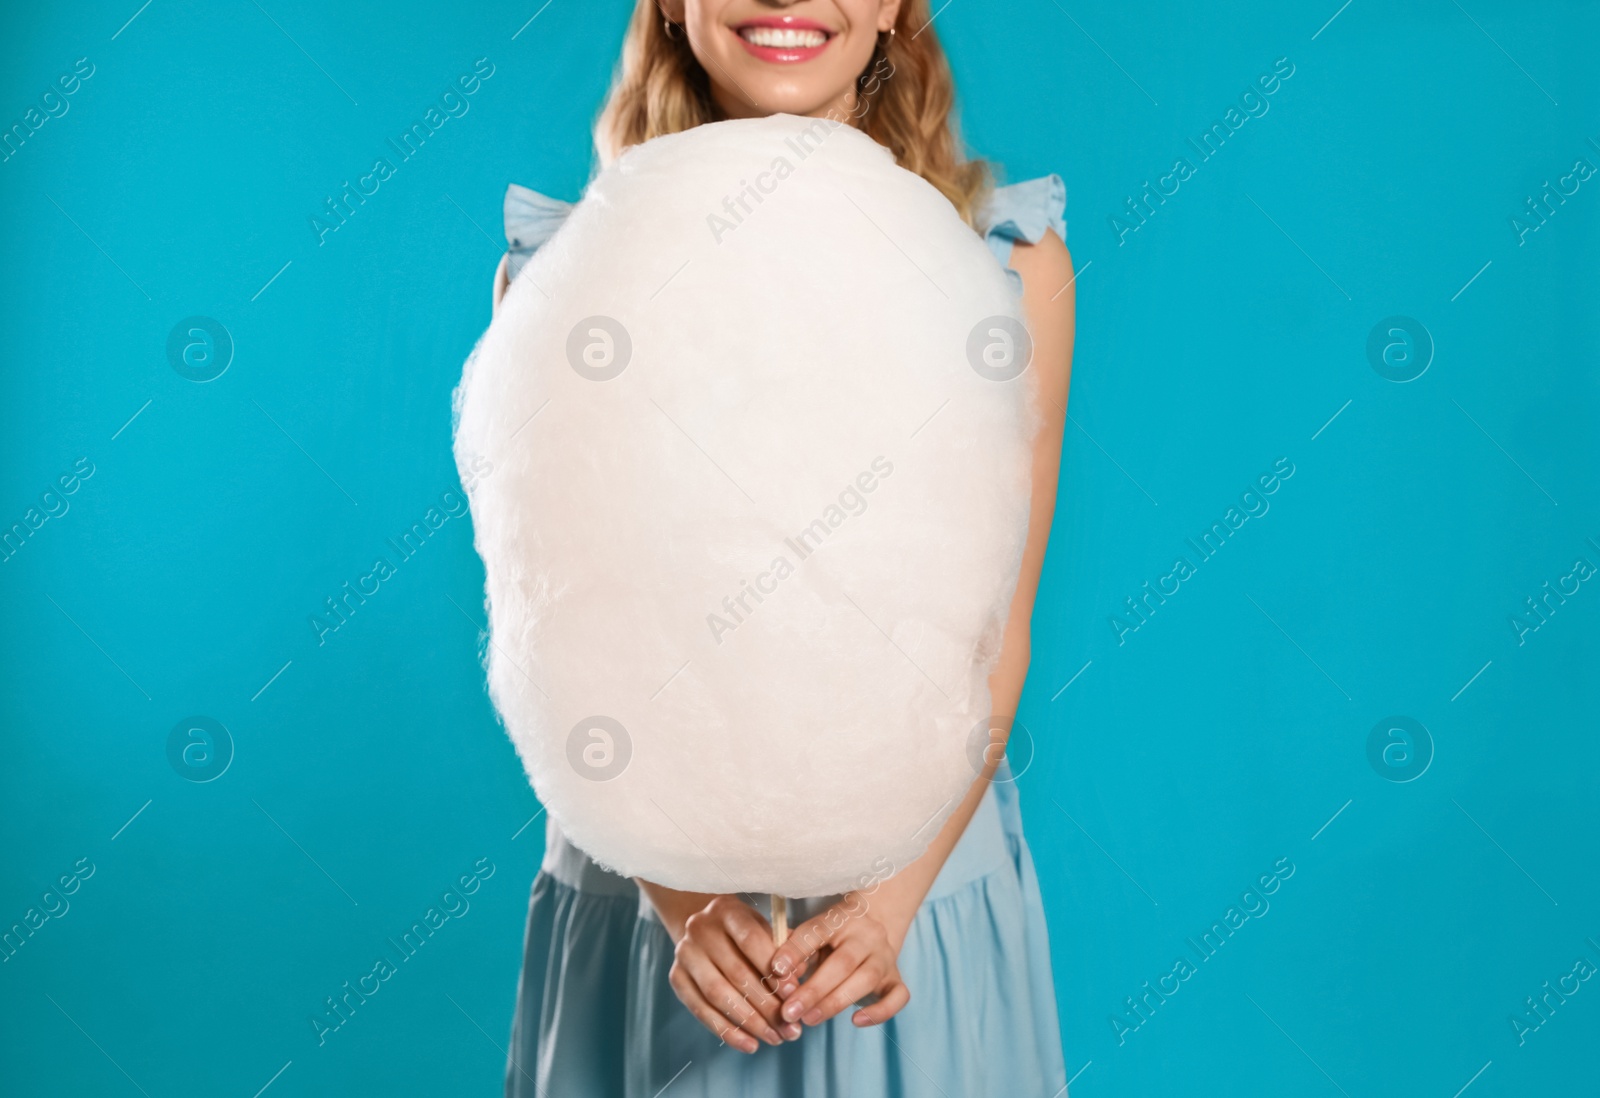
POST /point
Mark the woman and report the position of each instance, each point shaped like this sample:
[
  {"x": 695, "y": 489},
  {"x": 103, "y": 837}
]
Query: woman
[{"x": 629, "y": 987}]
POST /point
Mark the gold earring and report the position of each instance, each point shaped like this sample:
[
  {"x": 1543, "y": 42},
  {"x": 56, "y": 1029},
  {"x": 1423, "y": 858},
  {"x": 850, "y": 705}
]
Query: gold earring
[{"x": 668, "y": 27}]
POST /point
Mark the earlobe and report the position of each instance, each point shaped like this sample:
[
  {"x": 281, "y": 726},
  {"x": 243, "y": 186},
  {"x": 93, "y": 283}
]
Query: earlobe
[{"x": 671, "y": 10}]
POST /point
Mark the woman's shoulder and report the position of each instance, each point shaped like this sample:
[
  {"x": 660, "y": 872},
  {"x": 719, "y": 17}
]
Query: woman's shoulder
[
  {"x": 1012, "y": 213},
  {"x": 1024, "y": 210},
  {"x": 531, "y": 219},
  {"x": 1020, "y": 213}
]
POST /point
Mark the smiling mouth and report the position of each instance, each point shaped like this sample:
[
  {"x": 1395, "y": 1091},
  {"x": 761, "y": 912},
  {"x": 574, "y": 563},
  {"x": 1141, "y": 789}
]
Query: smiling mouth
[{"x": 783, "y": 40}]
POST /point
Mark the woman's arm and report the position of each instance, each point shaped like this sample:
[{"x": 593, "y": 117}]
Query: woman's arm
[
  {"x": 500, "y": 280},
  {"x": 724, "y": 947},
  {"x": 1049, "y": 301}
]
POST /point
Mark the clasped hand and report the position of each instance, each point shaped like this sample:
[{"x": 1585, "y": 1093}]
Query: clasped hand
[{"x": 732, "y": 978}]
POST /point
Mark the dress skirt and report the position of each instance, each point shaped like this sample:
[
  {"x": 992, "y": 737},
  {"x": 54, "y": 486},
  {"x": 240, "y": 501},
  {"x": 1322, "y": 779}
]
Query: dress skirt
[{"x": 596, "y": 1018}]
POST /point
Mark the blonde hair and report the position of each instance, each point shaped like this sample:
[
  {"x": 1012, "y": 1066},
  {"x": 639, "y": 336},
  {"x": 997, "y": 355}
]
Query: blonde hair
[{"x": 906, "y": 97}]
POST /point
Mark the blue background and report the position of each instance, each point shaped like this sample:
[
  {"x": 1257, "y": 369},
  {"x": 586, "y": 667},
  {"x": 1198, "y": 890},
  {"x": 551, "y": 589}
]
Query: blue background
[{"x": 369, "y": 772}]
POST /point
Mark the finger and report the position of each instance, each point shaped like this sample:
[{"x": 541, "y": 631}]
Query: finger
[
  {"x": 845, "y": 959},
  {"x": 746, "y": 982},
  {"x": 725, "y": 998},
  {"x": 893, "y": 999},
  {"x": 858, "y": 985},
  {"x": 807, "y": 939},
  {"x": 707, "y": 1015},
  {"x": 751, "y": 932},
  {"x": 787, "y": 985}
]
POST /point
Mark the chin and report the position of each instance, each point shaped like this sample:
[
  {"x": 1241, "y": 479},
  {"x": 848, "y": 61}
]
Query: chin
[
  {"x": 789, "y": 101},
  {"x": 784, "y": 94}
]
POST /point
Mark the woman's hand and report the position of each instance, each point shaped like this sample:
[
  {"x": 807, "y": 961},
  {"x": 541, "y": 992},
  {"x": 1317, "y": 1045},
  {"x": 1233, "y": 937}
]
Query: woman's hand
[
  {"x": 857, "y": 951},
  {"x": 723, "y": 945}
]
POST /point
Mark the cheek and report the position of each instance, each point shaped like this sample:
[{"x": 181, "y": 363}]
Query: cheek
[
  {"x": 856, "y": 49},
  {"x": 857, "y": 45},
  {"x": 706, "y": 22},
  {"x": 862, "y": 15}
]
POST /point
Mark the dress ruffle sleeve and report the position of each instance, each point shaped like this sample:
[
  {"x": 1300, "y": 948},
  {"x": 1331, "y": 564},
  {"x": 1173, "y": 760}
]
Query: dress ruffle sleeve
[{"x": 1023, "y": 211}]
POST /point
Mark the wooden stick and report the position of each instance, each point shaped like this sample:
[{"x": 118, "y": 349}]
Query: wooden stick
[{"x": 780, "y": 920}]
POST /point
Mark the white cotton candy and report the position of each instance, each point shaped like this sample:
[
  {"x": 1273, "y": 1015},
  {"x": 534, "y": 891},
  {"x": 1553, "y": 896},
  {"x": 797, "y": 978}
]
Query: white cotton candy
[{"x": 744, "y": 595}]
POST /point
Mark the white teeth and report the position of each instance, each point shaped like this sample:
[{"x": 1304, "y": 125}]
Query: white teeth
[{"x": 783, "y": 37}]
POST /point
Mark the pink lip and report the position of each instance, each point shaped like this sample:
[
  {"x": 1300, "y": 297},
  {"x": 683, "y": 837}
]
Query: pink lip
[{"x": 783, "y": 55}]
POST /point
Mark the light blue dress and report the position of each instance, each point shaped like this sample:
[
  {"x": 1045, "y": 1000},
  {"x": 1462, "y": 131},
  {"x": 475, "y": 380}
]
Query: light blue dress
[{"x": 596, "y": 1018}]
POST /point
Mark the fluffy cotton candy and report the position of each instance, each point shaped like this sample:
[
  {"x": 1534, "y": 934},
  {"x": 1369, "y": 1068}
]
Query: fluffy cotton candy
[{"x": 755, "y": 518}]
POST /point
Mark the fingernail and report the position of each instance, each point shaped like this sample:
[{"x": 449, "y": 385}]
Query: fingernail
[
  {"x": 787, "y": 989},
  {"x": 791, "y": 1032},
  {"x": 772, "y": 1039},
  {"x": 781, "y": 966},
  {"x": 813, "y": 1018},
  {"x": 791, "y": 1010},
  {"x": 747, "y": 1044}
]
